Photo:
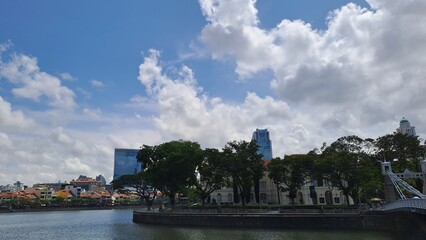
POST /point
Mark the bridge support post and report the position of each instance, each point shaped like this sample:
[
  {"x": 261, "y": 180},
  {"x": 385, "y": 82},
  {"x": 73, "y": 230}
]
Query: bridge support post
[{"x": 389, "y": 190}]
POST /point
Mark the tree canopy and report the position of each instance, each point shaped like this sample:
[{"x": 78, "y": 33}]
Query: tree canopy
[
  {"x": 346, "y": 165},
  {"x": 245, "y": 166},
  {"x": 170, "y": 167},
  {"x": 138, "y": 184},
  {"x": 404, "y": 151},
  {"x": 212, "y": 173}
]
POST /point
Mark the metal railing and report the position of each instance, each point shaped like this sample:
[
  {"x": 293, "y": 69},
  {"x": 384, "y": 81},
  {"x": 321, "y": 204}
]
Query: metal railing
[
  {"x": 414, "y": 203},
  {"x": 256, "y": 211}
]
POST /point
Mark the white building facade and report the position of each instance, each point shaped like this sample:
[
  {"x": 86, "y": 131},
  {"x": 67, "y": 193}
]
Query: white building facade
[{"x": 406, "y": 128}]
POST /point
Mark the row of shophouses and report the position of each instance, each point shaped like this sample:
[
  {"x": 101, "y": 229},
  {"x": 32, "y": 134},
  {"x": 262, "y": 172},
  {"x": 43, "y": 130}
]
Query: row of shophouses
[{"x": 78, "y": 190}]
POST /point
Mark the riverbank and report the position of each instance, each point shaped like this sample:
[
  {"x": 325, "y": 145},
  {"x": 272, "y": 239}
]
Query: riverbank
[
  {"x": 371, "y": 221},
  {"x": 47, "y": 209}
]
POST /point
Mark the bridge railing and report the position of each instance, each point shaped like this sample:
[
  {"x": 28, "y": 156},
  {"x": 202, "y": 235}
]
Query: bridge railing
[{"x": 407, "y": 203}]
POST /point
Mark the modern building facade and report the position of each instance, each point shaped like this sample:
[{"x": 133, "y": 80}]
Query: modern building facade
[
  {"x": 125, "y": 162},
  {"x": 261, "y": 136},
  {"x": 406, "y": 128}
]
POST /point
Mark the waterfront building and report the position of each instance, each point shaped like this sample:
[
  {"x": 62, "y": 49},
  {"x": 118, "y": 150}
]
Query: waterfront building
[
  {"x": 406, "y": 128},
  {"x": 64, "y": 194},
  {"x": 125, "y": 162},
  {"x": 261, "y": 136},
  {"x": 8, "y": 196},
  {"x": 313, "y": 192},
  {"x": 42, "y": 193},
  {"x": 98, "y": 194},
  {"x": 86, "y": 183},
  {"x": 76, "y": 191}
]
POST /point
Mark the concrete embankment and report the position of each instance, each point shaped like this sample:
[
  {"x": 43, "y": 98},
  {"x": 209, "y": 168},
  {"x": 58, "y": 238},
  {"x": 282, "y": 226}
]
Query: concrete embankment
[{"x": 375, "y": 221}]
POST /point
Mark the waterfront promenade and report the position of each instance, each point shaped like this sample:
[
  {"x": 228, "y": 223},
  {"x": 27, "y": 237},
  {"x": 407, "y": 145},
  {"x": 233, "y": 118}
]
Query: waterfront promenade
[{"x": 325, "y": 219}]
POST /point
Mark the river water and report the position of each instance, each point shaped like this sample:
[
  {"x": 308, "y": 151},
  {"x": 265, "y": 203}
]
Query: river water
[{"x": 117, "y": 224}]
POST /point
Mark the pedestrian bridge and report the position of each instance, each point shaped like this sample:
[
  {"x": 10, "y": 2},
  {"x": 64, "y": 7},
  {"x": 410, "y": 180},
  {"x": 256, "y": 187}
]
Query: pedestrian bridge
[
  {"x": 409, "y": 204},
  {"x": 417, "y": 204}
]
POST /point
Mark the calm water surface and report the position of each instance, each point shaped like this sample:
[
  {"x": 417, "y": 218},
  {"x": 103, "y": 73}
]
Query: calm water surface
[{"x": 117, "y": 224}]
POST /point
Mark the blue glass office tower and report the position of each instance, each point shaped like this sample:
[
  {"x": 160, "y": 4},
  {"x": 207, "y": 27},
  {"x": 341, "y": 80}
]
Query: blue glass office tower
[
  {"x": 261, "y": 136},
  {"x": 125, "y": 162}
]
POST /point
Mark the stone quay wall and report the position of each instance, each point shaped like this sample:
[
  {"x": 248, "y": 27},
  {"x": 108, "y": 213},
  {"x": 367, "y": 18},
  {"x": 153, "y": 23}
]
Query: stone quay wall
[{"x": 374, "y": 221}]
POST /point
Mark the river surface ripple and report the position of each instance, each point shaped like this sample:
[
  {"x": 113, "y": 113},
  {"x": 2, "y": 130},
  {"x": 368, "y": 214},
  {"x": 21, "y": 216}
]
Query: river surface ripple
[{"x": 117, "y": 224}]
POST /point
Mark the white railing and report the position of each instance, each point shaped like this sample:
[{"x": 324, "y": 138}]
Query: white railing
[{"x": 407, "y": 203}]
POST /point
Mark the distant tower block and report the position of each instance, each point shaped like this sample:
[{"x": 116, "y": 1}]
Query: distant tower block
[{"x": 261, "y": 136}]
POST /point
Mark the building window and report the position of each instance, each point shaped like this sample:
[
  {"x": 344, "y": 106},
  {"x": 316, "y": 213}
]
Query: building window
[
  {"x": 337, "y": 200},
  {"x": 230, "y": 199},
  {"x": 322, "y": 200},
  {"x": 262, "y": 185},
  {"x": 320, "y": 182}
]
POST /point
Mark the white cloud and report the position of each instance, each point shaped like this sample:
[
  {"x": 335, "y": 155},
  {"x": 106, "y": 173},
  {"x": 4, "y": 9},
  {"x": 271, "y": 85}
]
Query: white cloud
[
  {"x": 92, "y": 113},
  {"x": 5, "y": 46},
  {"x": 364, "y": 70},
  {"x": 23, "y": 70},
  {"x": 67, "y": 76},
  {"x": 187, "y": 112},
  {"x": 97, "y": 83},
  {"x": 5, "y": 141},
  {"x": 75, "y": 166},
  {"x": 11, "y": 120}
]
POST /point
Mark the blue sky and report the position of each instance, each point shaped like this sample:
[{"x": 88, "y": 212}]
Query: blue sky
[{"x": 80, "y": 78}]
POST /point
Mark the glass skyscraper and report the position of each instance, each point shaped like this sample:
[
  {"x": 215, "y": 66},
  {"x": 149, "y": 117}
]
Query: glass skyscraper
[
  {"x": 125, "y": 162},
  {"x": 261, "y": 136}
]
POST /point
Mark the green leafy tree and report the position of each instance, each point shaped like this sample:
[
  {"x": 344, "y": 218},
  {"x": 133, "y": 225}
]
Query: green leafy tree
[
  {"x": 212, "y": 174},
  {"x": 139, "y": 184},
  {"x": 170, "y": 167},
  {"x": 245, "y": 166},
  {"x": 278, "y": 172},
  {"x": 58, "y": 200},
  {"x": 347, "y": 165},
  {"x": 404, "y": 149},
  {"x": 298, "y": 169}
]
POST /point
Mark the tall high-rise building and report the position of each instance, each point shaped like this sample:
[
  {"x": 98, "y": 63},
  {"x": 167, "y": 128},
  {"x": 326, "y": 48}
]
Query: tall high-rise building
[
  {"x": 125, "y": 162},
  {"x": 406, "y": 128},
  {"x": 261, "y": 136}
]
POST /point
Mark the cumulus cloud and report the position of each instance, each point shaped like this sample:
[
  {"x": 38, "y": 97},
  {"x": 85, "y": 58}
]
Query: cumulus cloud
[
  {"x": 34, "y": 84},
  {"x": 187, "y": 112},
  {"x": 12, "y": 120},
  {"x": 97, "y": 83},
  {"x": 5, "y": 142},
  {"x": 67, "y": 76},
  {"x": 365, "y": 68},
  {"x": 92, "y": 113}
]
